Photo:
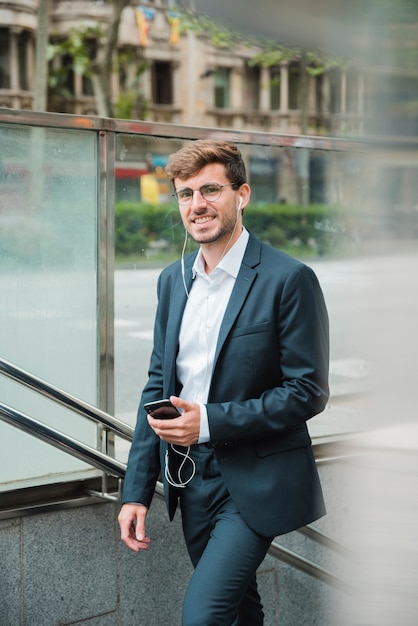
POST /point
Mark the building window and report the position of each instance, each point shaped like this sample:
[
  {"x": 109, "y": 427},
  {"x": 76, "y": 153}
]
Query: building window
[
  {"x": 263, "y": 173},
  {"x": 251, "y": 88},
  {"x": 395, "y": 105},
  {"x": 275, "y": 88},
  {"x": 4, "y": 58},
  {"x": 22, "y": 50},
  {"x": 352, "y": 91},
  {"x": 67, "y": 75},
  {"x": 294, "y": 85},
  {"x": 86, "y": 83},
  {"x": 61, "y": 76},
  {"x": 335, "y": 91},
  {"x": 162, "y": 82},
  {"x": 319, "y": 94},
  {"x": 318, "y": 178},
  {"x": 222, "y": 88},
  {"x": 87, "y": 86}
]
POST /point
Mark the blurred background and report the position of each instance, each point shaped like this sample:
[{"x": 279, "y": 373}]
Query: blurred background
[{"x": 337, "y": 83}]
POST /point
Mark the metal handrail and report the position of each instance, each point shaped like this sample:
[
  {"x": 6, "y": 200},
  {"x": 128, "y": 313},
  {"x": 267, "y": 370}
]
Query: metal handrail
[
  {"x": 306, "y": 566},
  {"x": 112, "y": 467},
  {"x": 65, "y": 399},
  {"x": 115, "y": 468},
  {"x": 61, "y": 441},
  {"x": 324, "y": 540}
]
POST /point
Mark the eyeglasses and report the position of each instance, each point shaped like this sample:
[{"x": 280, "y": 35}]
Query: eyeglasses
[{"x": 209, "y": 192}]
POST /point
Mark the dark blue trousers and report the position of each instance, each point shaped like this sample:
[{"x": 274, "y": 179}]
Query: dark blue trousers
[{"x": 224, "y": 551}]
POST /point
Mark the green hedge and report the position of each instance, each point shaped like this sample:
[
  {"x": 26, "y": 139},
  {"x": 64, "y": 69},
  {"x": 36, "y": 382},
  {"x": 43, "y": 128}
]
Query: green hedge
[
  {"x": 142, "y": 229},
  {"x": 138, "y": 226}
]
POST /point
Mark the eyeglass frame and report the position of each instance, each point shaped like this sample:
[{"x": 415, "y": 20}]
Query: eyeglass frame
[{"x": 190, "y": 200}]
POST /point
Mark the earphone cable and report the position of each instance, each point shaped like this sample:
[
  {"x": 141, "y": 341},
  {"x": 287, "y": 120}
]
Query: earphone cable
[{"x": 186, "y": 457}]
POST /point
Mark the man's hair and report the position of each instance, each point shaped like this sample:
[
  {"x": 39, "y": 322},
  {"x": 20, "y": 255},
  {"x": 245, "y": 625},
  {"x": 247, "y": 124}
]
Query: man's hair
[{"x": 193, "y": 157}]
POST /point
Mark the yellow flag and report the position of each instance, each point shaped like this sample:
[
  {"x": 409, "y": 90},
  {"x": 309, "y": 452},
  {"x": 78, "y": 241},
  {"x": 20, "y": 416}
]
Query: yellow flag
[
  {"x": 143, "y": 27},
  {"x": 175, "y": 30}
]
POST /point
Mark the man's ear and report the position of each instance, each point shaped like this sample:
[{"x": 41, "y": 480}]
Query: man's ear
[{"x": 244, "y": 196}]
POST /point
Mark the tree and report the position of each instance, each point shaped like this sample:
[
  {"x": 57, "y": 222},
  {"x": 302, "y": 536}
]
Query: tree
[
  {"x": 95, "y": 62},
  {"x": 102, "y": 67}
]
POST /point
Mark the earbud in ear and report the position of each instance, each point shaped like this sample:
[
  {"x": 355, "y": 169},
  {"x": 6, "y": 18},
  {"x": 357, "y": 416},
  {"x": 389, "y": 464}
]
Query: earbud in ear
[{"x": 239, "y": 205}]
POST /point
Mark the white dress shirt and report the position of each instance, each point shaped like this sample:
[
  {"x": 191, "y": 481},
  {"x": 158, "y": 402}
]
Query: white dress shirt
[{"x": 202, "y": 318}]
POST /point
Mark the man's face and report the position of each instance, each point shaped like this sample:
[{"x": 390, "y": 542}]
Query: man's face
[{"x": 211, "y": 221}]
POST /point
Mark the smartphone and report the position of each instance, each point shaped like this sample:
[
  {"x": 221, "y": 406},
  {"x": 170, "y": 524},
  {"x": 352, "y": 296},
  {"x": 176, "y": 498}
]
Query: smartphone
[{"x": 162, "y": 409}]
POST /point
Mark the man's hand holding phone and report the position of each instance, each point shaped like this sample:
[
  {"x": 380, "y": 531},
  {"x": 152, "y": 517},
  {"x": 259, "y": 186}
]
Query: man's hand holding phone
[{"x": 174, "y": 420}]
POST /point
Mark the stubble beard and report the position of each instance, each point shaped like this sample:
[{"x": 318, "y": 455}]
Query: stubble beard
[{"x": 224, "y": 233}]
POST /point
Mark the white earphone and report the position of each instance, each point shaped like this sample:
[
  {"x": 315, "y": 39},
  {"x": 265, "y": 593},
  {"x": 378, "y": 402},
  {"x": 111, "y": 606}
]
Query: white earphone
[{"x": 239, "y": 205}]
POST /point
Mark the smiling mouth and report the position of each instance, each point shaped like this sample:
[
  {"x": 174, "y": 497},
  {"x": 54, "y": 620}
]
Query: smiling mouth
[{"x": 203, "y": 220}]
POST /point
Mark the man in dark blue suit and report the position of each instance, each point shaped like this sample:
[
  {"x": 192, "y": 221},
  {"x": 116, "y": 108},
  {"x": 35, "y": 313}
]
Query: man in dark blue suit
[{"x": 241, "y": 349}]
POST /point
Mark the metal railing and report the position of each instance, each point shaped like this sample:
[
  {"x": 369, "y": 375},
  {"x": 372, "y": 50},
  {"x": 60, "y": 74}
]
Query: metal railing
[
  {"x": 112, "y": 467},
  {"x": 65, "y": 399},
  {"x": 63, "y": 442}
]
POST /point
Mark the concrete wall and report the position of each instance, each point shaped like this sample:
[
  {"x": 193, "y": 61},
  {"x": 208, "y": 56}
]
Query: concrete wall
[{"x": 69, "y": 567}]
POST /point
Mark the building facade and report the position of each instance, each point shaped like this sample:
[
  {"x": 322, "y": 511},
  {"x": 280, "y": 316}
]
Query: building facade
[
  {"x": 163, "y": 73},
  {"x": 166, "y": 75}
]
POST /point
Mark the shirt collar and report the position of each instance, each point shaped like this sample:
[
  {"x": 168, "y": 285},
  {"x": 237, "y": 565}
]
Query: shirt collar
[{"x": 230, "y": 263}]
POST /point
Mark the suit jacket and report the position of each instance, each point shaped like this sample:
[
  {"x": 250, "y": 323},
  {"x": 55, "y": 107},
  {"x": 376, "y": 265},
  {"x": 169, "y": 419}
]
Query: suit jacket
[{"x": 270, "y": 375}]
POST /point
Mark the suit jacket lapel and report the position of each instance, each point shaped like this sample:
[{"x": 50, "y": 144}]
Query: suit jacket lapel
[{"x": 245, "y": 279}]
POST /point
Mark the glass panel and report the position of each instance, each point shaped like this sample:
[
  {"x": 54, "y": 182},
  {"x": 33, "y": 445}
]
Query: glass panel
[
  {"x": 309, "y": 203},
  {"x": 48, "y": 269},
  {"x": 149, "y": 234}
]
